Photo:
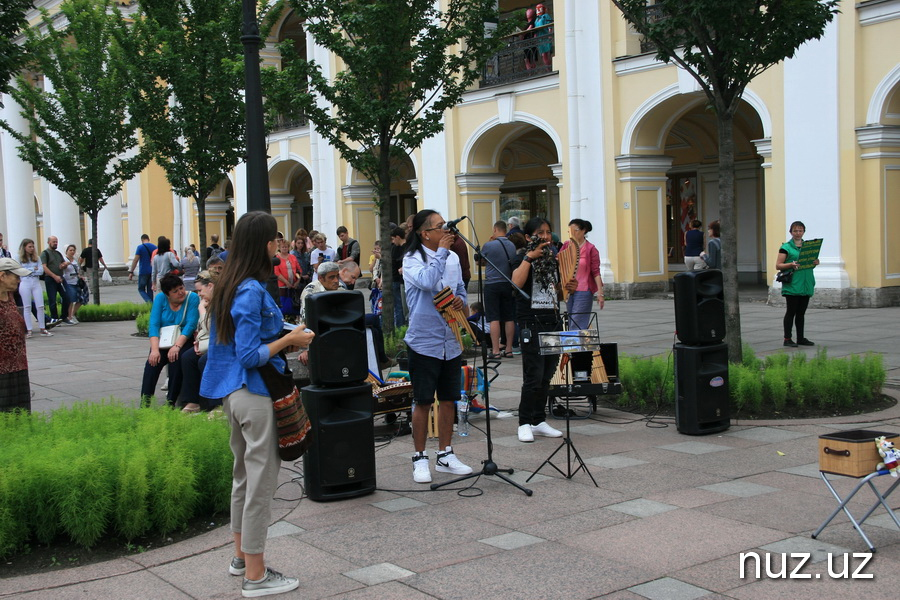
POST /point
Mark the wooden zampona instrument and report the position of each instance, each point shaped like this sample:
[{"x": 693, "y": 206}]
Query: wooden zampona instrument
[
  {"x": 456, "y": 319},
  {"x": 568, "y": 265}
]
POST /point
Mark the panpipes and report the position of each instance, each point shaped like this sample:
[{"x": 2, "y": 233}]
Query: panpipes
[
  {"x": 456, "y": 319},
  {"x": 568, "y": 259}
]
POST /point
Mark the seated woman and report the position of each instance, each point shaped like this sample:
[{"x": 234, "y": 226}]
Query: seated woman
[
  {"x": 174, "y": 306},
  {"x": 193, "y": 363}
]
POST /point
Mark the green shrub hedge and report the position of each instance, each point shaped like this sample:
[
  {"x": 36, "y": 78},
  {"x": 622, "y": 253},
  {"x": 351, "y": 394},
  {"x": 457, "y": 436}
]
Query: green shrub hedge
[
  {"x": 119, "y": 311},
  {"x": 779, "y": 381},
  {"x": 142, "y": 322},
  {"x": 110, "y": 470}
]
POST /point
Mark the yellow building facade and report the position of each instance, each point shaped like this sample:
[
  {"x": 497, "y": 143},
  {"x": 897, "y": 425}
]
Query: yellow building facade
[{"x": 582, "y": 121}]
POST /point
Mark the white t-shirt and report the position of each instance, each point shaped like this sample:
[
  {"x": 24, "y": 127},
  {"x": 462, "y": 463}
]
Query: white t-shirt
[{"x": 328, "y": 256}]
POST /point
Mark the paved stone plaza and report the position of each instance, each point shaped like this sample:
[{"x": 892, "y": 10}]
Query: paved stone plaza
[{"x": 668, "y": 520}]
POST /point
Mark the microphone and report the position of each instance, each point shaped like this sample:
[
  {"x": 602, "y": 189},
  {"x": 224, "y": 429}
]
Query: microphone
[{"x": 452, "y": 224}]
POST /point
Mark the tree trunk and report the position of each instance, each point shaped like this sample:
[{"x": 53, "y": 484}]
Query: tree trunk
[
  {"x": 383, "y": 186},
  {"x": 727, "y": 213},
  {"x": 201, "y": 227},
  {"x": 95, "y": 258}
]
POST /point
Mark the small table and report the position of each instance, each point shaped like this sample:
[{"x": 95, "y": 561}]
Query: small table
[{"x": 842, "y": 503}]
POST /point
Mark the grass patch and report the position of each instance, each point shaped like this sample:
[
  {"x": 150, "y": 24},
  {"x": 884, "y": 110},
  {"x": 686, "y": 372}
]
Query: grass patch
[
  {"x": 781, "y": 384},
  {"x": 119, "y": 311},
  {"x": 109, "y": 470}
]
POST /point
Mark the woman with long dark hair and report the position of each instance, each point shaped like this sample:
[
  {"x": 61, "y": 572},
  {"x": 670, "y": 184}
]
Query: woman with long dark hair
[
  {"x": 245, "y": 323},
  {"x": 536, "y": 271}
]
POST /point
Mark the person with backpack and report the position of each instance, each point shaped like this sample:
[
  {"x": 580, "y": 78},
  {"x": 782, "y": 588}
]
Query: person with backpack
[{"x": 214, "y": 249}]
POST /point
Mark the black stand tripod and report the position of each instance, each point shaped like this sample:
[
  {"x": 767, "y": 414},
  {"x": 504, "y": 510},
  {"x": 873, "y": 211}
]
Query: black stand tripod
[
  {"x": 567, "y": 439},
  {"x": 489, "y": 467}
]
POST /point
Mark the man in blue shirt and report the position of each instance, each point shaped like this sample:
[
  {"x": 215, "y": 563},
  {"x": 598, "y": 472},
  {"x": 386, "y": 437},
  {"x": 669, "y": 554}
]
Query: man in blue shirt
[
  {"x": 142, "y": 258},
  {"x": 435, "y": 357}
]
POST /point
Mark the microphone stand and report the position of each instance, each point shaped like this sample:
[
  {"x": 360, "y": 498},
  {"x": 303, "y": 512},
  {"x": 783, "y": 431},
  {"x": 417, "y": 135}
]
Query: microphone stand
[{"x": 489, "y": 467}]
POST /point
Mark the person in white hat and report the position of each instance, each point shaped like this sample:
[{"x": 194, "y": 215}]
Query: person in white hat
[{"x": 15, "y": 390}]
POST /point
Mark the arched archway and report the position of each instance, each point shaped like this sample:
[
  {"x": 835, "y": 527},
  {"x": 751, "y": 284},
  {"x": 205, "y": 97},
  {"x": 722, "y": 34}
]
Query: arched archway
[
  {"x": 290, "y": 185},
  {"x": 675, "y": 136},
  {"x": 511, "y": 170}
]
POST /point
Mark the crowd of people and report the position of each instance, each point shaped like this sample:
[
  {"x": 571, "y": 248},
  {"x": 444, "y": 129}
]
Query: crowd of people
[{"x": 214, "y": 327}]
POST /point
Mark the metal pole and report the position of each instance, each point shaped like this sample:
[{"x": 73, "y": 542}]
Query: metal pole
[{"x": 257, "y": 174}]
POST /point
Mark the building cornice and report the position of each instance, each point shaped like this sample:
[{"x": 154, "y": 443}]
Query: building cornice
[{"x": 873, "y": 12}]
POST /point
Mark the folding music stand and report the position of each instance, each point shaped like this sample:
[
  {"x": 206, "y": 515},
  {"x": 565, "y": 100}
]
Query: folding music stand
[{"x": 561, "y": 343}]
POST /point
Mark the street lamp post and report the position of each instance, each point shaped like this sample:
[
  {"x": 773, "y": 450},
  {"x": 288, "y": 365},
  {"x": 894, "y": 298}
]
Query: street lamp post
[{"x": 257, "y": 174}]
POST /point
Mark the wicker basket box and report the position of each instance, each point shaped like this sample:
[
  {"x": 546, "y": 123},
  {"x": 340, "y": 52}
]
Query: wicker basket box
[{"x": 851, "y": 453}]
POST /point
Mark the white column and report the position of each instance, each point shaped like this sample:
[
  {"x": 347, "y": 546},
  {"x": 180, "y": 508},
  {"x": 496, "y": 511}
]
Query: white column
[
  {"x": 240, "y": 192},
  {"x": 435, "y": 177},
  {"x": 16, "y": 184},
  {"x": 587, "y": 160},
  {"x": 61, "y": 215},
  {"x": 812, "y": 152},
  {"x": 135, "y": 216},
  {"x": 324, "y": 157},
  {"x": 109, "y": 230}
]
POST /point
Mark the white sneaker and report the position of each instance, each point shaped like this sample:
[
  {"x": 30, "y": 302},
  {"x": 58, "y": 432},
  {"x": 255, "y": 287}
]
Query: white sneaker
[
  {"x": 525, "y": 434},
  {"x": 273, "y": 583},
  {"x": 165, "y": 386},
  {"x": 421, "y": 469},
  {"x": 545, "y": 430},
  {"x": 448, "y": 463}
]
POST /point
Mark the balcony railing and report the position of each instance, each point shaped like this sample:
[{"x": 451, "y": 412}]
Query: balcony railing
[
  {"x": 521, "y": 57},
  {"x": 654, "y": 15},
  {"x": 286, "y": 122}
]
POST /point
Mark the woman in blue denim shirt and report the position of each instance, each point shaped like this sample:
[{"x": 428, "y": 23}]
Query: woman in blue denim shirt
[{"x": 245, "y": 323}]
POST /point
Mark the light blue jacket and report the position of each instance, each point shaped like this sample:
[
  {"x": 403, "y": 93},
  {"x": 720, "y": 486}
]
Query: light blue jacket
[{"x": 257, "y": 322}]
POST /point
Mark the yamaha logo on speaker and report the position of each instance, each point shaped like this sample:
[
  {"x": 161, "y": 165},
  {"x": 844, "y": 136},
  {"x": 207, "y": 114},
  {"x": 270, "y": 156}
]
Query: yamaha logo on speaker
[
  {"x": 351, "y": 473},
  {"x": 345, "y": 372}
]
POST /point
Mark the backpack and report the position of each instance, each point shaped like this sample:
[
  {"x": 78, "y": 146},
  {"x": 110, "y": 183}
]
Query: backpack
[{"x": 214, "y": 252}]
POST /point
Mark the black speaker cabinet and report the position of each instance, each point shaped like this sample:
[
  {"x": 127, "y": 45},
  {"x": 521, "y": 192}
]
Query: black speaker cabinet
[
  {"x": 700, "y": 307},
  {"x": 340, "y": 463},
  {"x": 337, "y": 355},
  {"x": 701, "y": 389}
]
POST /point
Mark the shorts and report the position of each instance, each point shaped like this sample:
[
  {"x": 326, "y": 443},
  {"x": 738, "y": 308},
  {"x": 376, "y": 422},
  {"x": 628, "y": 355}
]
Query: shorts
[
  {"x": 499, "y": 304},
  {"x": 433, "y": 375}
]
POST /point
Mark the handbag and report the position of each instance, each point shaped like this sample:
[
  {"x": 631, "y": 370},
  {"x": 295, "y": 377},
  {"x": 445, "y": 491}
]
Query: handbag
[
  {"x": 293, "y": 427},
  {"x": 785, "y": 277},
  {"x": 169, "y": 334}
]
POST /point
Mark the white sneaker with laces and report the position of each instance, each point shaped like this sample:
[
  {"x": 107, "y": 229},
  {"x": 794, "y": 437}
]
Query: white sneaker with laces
[
  {"x": 448, "y": 463},
  {"x": 421, "y": 469},
  {"x": 545, "y": 430},
  {"x": 273, "y": 583},
  {"x": 525, "y": 434}
]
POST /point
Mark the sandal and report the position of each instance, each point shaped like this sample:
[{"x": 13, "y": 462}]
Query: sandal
[
  {"x": 493, "y": 356},
  {"x": 191, "y": 408},
  {"x": 507, "y": 354}
]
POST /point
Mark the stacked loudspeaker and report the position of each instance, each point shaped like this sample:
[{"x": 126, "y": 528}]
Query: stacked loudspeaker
[
  {"x": 701, "y": 359},
  {"x": 340, "y": 463}
]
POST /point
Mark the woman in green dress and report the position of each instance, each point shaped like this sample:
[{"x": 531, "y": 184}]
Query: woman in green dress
[{"x": 800, "y": 289}]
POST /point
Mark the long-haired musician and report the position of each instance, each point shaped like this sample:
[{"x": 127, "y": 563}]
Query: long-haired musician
[
  {"x": 590, "y": 284},
  {"x": 536, "y": 271},
  {"x": 435, "y": 356}
]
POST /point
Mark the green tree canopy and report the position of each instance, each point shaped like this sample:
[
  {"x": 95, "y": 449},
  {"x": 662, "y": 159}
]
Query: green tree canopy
[
  {"x": 724, "y": 45},
  {"x": 404, "y": 63},
  {"x": 12, "y": 22},
  {"x": 82, "y": 139},
  {"x": 185, "y": 91}
]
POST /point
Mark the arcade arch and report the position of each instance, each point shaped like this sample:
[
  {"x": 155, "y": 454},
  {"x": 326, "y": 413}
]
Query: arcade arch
[
  {"x": 290, "y": 187},
  {"x": 669, "y": 167},
  {"x": 511, "y": 170}
]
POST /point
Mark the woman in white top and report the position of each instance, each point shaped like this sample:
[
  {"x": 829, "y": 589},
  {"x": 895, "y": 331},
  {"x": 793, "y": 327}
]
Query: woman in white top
[
  {"x": 72, "y": 274},
  {"x": 30, "y": 287}
]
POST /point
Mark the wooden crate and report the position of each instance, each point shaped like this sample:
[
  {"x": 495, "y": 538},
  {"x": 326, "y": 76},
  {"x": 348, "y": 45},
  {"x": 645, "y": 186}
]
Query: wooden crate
[{"x": 851, "y": 453}]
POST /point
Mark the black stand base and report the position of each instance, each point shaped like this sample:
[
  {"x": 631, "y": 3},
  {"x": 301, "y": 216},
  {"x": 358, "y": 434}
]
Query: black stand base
[
  {"x": 570, "y": 450},
  {"x": 489, "y": 468}
]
